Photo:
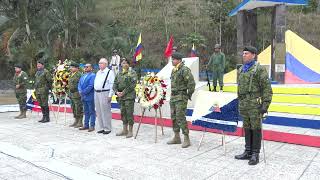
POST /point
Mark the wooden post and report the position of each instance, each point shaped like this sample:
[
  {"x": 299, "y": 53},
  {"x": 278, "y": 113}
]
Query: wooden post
[
  {"x": 142, "y": 114},
  {"x": 162, "y": 121},
  {"x": 156, "y": 125}
]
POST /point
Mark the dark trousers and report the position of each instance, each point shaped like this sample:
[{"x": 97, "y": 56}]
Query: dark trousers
[{"x": 89, "y": 114}]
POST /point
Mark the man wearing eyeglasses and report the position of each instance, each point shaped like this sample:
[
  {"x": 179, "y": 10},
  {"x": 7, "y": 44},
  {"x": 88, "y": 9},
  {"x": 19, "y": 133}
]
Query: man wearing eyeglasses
[
  {"x": 85, "y": 88},
  {"x": 103, "y": 92}
]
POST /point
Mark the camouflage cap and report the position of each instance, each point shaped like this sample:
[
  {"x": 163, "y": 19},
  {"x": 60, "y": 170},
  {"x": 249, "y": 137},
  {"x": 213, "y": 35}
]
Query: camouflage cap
[
  {"x": 73, "y": 64},
  {"x": 251, "y": 49},
  {"x": 177, "y": 55},
  {"x": 217, "y": 46},
  {"x": 40, "y": 61},
  {"x": 18, "y": 65}
]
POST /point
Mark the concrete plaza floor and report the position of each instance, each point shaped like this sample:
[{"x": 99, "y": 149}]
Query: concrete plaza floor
[{"x": 32, "y": 150}]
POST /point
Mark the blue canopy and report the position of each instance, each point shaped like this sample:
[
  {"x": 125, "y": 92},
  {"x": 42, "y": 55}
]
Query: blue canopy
[{"x": 252, "y": 4}]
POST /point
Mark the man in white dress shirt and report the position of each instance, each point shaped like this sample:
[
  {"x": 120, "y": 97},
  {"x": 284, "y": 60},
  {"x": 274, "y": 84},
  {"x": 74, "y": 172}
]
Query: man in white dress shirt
[
  {"x": 103, "y": 92},
  {"x": 115, "y": 61}
]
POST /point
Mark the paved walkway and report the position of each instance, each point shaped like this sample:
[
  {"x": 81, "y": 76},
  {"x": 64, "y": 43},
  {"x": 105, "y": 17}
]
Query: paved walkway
[{"x": 31, "y": 150}]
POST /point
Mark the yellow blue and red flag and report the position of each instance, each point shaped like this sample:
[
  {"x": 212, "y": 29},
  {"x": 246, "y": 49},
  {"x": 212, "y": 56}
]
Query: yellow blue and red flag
[
  {"x": 193, "y": 51},
  {"x": 138, "y": 53}
]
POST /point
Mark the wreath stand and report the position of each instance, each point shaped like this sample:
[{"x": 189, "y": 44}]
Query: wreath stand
[
  {"x": 223, "y": 140},
  {"x": 65, "y": 109},
  {"x": 155, "y": 123}
]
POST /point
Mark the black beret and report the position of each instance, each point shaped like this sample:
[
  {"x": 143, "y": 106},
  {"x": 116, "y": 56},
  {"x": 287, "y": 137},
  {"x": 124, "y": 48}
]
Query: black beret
[
  {"x": 18, "y": 65},
  {"x": 177, "y": 55},
  {"x": 251, "y": 49}
]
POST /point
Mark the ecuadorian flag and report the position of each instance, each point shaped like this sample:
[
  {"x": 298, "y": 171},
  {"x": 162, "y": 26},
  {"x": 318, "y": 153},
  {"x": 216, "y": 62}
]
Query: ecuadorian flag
[
  {"x": 138, "y": 53},
  {"x": 302, "y": 61}
]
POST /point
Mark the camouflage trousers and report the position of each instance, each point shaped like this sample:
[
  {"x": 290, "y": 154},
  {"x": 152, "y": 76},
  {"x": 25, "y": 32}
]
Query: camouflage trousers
[
  {"x": 127, "y": 108},
  {"x": 178, "y": 116},
  {"x": 22, "y": 98},
  {"x": 217, "y": 76},
  {"x": 251, "y": 118},
  {"x": 42, "y": 99},
  {"x": 77, "y": 108}
]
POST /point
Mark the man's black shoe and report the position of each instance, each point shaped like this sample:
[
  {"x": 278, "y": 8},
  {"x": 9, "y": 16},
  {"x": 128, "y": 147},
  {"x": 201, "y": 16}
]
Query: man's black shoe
[
  {"x": 106, "y": 132},
  {"x": 101, "y": 131}
]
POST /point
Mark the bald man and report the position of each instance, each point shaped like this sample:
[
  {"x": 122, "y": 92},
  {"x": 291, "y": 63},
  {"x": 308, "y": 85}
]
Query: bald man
[{"x": 103, "y": 92}]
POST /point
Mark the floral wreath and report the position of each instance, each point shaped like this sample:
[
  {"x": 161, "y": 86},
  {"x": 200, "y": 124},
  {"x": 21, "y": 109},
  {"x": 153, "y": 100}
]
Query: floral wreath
[
  {"x": 61, "y": 78},
  {"x": 152, "y": 92}
]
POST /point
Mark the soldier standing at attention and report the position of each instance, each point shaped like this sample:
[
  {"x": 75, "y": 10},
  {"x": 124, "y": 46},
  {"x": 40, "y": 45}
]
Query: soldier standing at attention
[
  {"x": 182, "y": 88},
  {"x": 115, "y": 61},
  {"x": 43, "y": 83},
  {"x": 216, "y": 65},
  {"x": 76, "y": 104},
  {"x": 20, "y": 79},
  {"x": 254, "y": 94},
  {"x": 124, "y": 86}
]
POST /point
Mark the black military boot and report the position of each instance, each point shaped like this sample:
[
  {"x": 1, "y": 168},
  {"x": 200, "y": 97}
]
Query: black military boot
[
  {"x": 43, "y": 114},
  {"x": 221, "y": 88},
  {"x": 215, "y": 88},
  {"x": 47, "y": 115},
  {"x": 248, "y": 140},
  {"x": 256, "y": 146}
]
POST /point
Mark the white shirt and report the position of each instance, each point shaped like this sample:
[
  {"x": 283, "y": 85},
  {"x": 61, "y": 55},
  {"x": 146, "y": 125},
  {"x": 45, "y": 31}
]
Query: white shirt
[
  {"x": 115, "y": 60},
  {"x": 99, "y": 80}
]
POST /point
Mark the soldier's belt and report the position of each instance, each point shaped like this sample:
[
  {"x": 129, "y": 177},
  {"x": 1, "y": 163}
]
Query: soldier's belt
[
  {"x": 178, "y": 92},
  {"x": 249, "y": 96},
  {"x": 114, "y": 65}
]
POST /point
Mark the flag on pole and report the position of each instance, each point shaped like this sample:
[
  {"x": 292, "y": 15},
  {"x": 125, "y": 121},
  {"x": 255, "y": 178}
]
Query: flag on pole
[
  {"x": 193, "y": 51},
  {"x": 168, "y": 51},
  {"x": 138, "y": 53}
]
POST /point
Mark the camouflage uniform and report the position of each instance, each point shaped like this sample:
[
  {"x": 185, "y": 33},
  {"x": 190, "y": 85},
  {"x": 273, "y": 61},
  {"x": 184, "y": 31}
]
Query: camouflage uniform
[
  {"x": 43, "y": 83},
  {"x": 21, "y": 79},
  {"x": 126, "y": 82},
  {"x": 252, "y": 100},
  {"x": 182, "y": 88},
  {"x": 216, "y": 65},
  {"x": 254, "y": 94},
  {"x": 76, "y": 103}
]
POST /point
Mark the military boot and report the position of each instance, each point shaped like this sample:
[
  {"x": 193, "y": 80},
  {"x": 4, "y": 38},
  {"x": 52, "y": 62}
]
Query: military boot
[
  {"x": 24, "y": 113},
  {"x": 43, "y": 114},
  {"x": 256, "y": 146},
  {"x": 130, "y": 134},
  {"x": 176, "y": 139},
  {"x": 18, "y": 117},
  {"x": 124, "y": 131},
  {"x": 186, "y": 142},
  {"x": 46, "y": 115},
  {"x": 74, "y": 123},
  {"x": 79, "y": 122},
  {"x": 215, "y": 88},
  {"x": 247, "y": 152},
  {"x": 221, "y": 88}
]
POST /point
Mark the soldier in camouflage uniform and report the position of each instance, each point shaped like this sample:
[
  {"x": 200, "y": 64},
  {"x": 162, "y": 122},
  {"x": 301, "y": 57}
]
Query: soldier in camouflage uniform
[
  {"x": 43, "y": 83},
  {"x": 20, "y": 80},
  {"x": 76, "y": 104},
  {"x": 182, "y": 88},
  {"x": 124, "y": 86},
  {"x": 254, "y": 94},
  {"x": 216, "y": 65}
]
